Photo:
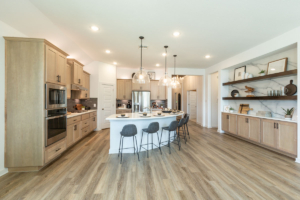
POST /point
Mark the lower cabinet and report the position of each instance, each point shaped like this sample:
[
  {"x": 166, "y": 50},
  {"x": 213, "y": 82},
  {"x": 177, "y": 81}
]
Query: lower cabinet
[
  {"x": 278, "y": 135},
  {"x": 80, "y": 126},
  {"x": 55, "y": 150},
  {"x": 120, "y": 111}
]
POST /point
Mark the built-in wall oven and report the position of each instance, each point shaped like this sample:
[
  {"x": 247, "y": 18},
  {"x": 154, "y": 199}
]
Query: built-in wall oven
[
  {"x": 56, "y": 96},
  {"x": 55, "y": 125}
]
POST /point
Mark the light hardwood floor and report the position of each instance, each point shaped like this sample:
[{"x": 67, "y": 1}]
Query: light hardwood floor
[{"x": 209, "y": 166}]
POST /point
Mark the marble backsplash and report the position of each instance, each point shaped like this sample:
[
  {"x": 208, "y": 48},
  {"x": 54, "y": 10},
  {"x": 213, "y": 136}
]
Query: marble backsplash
[{"x": 262, "y": 87}]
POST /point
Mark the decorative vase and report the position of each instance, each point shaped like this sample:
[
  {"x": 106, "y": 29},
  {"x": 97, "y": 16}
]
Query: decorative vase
[
  {"x": 288, "y": 117},
  {"x": 250, "y": 76},
  {"x": 262, "y": 74}
]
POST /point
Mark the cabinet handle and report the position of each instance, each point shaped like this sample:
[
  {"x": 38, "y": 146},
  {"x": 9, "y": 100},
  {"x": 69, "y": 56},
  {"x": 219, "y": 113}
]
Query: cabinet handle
[
  {"x": 78, "y": 80},
  {"x": 75, "y": 120},
  {"x": 57, "y": 78},
  {"x": 58, "y": 149},
  {"x": 274, "y": 125},
  {"x": 75, "y": 127},
  {"x": 94, "y": 119},
  {"x": 277, "y": 125}
]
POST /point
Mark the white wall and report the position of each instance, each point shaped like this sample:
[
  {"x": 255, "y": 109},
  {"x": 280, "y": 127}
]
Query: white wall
[
  {"x": 101, "y": 73},
  {"x": 214, "y": 100},
  {"x": 126, "y": 73},
  {"x": 5, "y": 30}
]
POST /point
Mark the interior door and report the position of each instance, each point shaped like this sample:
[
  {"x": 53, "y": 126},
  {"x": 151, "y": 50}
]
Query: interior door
[
  {"x": 108, "y": 106},
  {"x": 193, "y": 104}
]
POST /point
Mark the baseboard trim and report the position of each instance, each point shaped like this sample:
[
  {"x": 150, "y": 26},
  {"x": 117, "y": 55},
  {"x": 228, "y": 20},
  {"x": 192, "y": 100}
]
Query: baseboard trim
[
  {"x": 297, "y": 160},
  {"x": 3, "y": 171}
]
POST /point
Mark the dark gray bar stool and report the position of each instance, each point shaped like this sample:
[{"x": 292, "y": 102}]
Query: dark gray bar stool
[
  {"x": 186, "y": 125},
  {"x": 181, "y": 128},
  {"x": 171, "y": 128},
  {"x": 152, "y": 128},
  {"x": 129, "y": 131}
]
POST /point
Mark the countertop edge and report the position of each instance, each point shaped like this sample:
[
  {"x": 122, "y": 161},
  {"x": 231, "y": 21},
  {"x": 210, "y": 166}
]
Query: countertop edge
[{"x": 78, "y": 114}]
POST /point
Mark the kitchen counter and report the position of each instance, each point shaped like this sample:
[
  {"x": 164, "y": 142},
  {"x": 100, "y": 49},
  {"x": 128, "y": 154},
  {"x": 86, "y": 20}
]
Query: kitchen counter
[
  {"x": 82, "y": 113},
  {"x": 262, "y": 117},
  {"x": 117, "y": 124}
]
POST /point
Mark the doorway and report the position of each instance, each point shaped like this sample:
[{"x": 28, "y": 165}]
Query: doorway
[
  {"x": 214, "y": 99},
  {"x": 192, "y": 105},
  {"x": 107, "y": 104}
]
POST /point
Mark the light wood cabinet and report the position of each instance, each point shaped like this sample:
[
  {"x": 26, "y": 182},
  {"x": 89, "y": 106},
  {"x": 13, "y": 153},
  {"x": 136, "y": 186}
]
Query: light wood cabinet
[
  {"x": 55, "y": 150},
  {"x": 93, "y": 123},
  {"x": 86, "y": 83},
  {"x": 141, "y": 87},
  {"x": 56, "y": 64},
  {"x": 157, "y": 92},
  {"x": 268, "y": 133},
  {"x": 77, "y": 133},
  {"x": 69, "y": 137},
  {"x": 120, "y": 111},
  {"x": 124, "y": 89},
  {"x": 68, "y": 81},
  {"x": 279, "y": 136},
  {"x": 77, "y": 72}
]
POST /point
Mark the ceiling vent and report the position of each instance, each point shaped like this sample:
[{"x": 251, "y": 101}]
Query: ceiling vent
[{"x": 144, "y": 47}]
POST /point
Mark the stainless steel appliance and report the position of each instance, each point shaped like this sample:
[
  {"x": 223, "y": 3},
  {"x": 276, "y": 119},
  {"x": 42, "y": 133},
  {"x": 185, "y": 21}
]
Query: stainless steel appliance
[
  {"x": 56, "y": 96},
  {"x": 140, "y": 101},
  {"x": 55, "y": 125}
]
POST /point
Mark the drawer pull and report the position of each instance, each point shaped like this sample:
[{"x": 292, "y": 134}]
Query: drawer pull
[
  {"x": 58, "y": 149},
  {"x": 75, "y": 120}
]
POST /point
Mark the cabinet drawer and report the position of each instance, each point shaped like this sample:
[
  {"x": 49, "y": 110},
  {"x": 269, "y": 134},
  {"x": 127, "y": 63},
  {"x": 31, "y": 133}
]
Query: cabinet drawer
[
  {"x": 85, "y": 123},
  {"x": 55, "y": 150},
  {"x": 73, "y": 120},
  {"x": 93, "y": 114},
  {"x": 85, "y": 116},
  {"x": 85, "y": 131}
]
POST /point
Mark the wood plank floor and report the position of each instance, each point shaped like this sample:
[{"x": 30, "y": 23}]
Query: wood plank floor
[{"x": 209, "y": 166}]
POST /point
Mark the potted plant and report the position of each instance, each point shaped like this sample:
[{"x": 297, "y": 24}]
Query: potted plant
[
  {"x": 231, "y": 109},
  {"x": 262, "y": 72},
  {"x": 288, "y": 113}
]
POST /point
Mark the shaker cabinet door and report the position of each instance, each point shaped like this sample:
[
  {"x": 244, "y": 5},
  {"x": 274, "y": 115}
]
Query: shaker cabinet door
[
  {"x": 225, "y": 124},
  {"x": 51, "y": 57},
  {"x": 287, "y": 137},
  {"x": 61, "y": 65},
  {"x": 268, "y": 132},
  {"x": 243, "y": 126},
  {"x": 254, "y": 129},
  {"x": 232, "y": 124}
]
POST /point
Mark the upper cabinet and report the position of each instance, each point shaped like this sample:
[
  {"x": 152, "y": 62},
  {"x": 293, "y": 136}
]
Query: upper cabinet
[
  {"x": 124, "y": 89},
  {"x": 86, "y": 84},
  {"x": 77, "y": 72},
  {"x": 141, "y": 87},
  {"x": 157, "y": 92},
  {"x": 68, "y": 81},
  {"x": 56, "y": 63}
]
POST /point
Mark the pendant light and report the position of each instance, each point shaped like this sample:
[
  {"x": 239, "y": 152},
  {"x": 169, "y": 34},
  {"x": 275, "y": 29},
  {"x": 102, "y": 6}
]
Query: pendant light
[
  {"x": 175, "y": 81},
  {"x": 165, "y": 80},
  {"x": 141, "y": 77}
]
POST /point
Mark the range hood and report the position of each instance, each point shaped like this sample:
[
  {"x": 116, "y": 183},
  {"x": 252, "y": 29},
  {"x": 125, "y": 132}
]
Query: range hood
[{"x": 78, "y": 87}]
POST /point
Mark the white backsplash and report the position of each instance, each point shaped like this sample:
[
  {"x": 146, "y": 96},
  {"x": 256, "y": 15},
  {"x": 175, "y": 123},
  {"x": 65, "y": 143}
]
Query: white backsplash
[{"x": 262, "y": 87}]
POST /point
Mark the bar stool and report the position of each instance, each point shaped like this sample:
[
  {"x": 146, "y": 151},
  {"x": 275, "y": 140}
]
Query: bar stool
[
  {"x": 128, "y": 131},
  {"x": 186, "y": 125},
  {"x": 181, "y": 128},
  {"x": 152, "y": 128},
  {"x": 171, "y": 128}
]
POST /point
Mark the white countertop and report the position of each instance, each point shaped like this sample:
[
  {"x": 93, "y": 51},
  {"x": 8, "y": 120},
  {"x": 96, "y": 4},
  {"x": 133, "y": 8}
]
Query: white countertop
[
  {"x": 273, "y": 118},
  {"x": 137, "y": 116},
  {"x": 82, "y": 113},
  {"x": 123, "y": 108}
]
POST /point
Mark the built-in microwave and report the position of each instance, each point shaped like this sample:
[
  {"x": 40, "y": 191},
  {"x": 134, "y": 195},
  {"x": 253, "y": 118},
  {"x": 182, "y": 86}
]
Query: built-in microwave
[
  {"x": 55, "y": 125},
  {"x": 56, "y": 96}
]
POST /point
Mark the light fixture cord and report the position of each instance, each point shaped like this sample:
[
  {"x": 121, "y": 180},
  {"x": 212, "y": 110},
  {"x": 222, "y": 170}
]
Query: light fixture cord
[
  {"x": 141, "y": 54},
  {"x": 166, "y": 62},
  {"x": 174, "y": 64}
]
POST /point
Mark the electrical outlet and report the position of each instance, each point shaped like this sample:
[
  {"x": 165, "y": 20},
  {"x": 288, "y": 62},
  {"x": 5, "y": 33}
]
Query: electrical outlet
[{"x": 94, "y": 105}]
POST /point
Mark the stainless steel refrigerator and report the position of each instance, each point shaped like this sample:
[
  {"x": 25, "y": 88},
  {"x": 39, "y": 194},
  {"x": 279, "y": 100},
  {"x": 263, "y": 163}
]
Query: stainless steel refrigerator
[{"x": 140, "y": 101}]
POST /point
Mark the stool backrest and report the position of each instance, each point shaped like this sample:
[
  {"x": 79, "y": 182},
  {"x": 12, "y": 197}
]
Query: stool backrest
[
  {"x": 173, "y": 126},
  {"x": 187, "y": 119},
  {"x": 153, "y": 127},
  {"x": 185, "y": 115},
  {"x": 129, "y": 130},
  {"x": 181, "y": 122}
]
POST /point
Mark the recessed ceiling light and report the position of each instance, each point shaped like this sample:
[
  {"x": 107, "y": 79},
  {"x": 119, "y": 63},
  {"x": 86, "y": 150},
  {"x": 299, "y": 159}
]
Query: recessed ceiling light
[
  {"x": 69, "y": 57},
  {"x": 107, "y": 51},
  {"x": 207, "y": 56},
  {"x": 94, "y": 28},
  {"x": 272, "y": 69},
  {"x": 115, "y": 63},
  {"x": 176, "y": 34},
  {"x": 157, "y": 65},
  {"x": 164, "y": 54}
]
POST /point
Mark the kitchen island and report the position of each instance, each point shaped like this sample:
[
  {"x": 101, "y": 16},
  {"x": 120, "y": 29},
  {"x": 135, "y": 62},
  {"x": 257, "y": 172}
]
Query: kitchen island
[{"x": 117, "y": 124}]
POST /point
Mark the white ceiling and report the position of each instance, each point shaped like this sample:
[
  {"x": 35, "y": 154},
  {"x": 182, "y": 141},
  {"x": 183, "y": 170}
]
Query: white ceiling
[{"x": 216, "y": 27}]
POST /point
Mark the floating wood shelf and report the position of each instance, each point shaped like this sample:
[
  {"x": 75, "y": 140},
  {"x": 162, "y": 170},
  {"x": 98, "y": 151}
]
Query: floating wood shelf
[
  {"x": 261, "y": 78},
  {"x": 262, "y": 98}
]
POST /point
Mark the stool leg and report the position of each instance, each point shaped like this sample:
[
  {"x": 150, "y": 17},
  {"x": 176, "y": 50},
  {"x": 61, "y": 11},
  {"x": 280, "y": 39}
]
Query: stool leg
[
  {"x": 133, "y": 145},
  {"x": 159, "y": 143},
  {"x": 120, "y": 145},
  {"x": 188, "y": 130},
  {"x": 137, "y": 152},
  {"x": 184, "y": 132},
  {"x": 169, "y": 142},
  {"x": 152, "y": 141},
  {"x": 147, "y": 145},
  {"x": 122, "y": 150},
  {"x": 141, "y": 141},
  {"x": 179, "y": 143}
]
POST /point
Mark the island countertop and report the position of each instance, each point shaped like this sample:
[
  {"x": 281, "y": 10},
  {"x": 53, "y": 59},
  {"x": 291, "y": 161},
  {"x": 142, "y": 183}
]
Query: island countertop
[{"x": 138, "y": 116}]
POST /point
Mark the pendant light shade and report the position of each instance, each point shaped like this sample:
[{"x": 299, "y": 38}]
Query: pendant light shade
[
  {"x": 141, "y": 77},
  {"x": 165, "y": 80},
  {"x": 175, "y": 80}
]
